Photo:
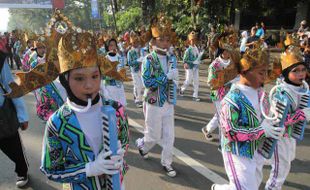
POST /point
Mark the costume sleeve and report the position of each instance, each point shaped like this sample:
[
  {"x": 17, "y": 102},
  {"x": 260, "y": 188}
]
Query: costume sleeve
[
  {"x": 46, "y": 105},
  {"x": 211, "y": 72},
  {"x": 7, "y": 78},
  {"x": 152, "y": 80},
  {"x": 231, "y": 127},
  {"x": 131, "y": 61},
  {"x": 53, "y": 162},
  {"x": 186, "y": 57}
]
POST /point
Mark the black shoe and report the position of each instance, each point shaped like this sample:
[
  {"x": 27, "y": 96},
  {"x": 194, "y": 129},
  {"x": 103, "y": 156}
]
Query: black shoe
[
  {"x": 181, "y": 92},
  {"x": 21, "y": 181}
]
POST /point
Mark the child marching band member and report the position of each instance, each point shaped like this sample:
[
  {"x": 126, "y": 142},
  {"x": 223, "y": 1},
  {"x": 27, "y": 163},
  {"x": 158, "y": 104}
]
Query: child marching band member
[
  {"x": 157, "y": 71},
  {"x": 191, "y": 60},
  {"x": 227, "y": 57},
  {"x": 134, "y": 62},
  {"x": 292, "y": 87},
  {"x": 73, "y": 141},
  {"x": 242, "y": 125},
  {"x": 114, "y": 89}
]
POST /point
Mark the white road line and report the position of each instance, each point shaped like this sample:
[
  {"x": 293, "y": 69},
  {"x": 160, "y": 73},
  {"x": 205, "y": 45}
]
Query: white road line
[{"x": 206, "y": 172}]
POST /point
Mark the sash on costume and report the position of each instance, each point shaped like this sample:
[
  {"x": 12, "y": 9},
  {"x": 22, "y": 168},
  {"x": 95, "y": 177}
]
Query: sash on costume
[{"x": 110, "y": 140}]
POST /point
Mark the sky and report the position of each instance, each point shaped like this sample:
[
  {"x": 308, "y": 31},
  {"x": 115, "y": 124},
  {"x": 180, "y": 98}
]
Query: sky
[{"x": 4, "y": 15}]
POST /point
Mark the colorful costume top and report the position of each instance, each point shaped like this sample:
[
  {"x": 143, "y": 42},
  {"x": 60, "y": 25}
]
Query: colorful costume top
[
  {"x": 66, "y": 150},
  {"x": 217, "y": 64},
  {"x": 294, "y": 113},
  {"x": 34, "y": 59},
  {"x": 240, "y": 124},
  {"x": 155, "y": 79},
  {"x": 132, "y": 57},
  {"x": 190, "y": 56}
]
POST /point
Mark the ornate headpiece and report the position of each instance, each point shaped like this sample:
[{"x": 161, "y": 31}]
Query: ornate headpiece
[
  {"x": 253, "y": 58},
  {"x": 76, "y": 50},
  {"x": 291, "y": 56},
  {"x": 28, "y": 35},
  {"x": 192, "y": 35},
  {"x": 290, "y": 39},
  {"x": 133, "y": 37},
  {"x": 227, "y": 74},
  {"x": 161, "y": 26},
  {"x": 228, "y": 39}
]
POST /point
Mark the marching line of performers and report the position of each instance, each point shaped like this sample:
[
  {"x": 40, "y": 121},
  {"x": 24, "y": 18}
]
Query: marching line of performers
[{"x": 75, "y": 74}]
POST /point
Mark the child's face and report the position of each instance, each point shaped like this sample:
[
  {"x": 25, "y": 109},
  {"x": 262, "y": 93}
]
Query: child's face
[
  {"x": 256, "y": 76},
  {"x": 226, "y": 55},
  {"x": 297, "y": 74},
  {"x": 85, "y": 82},
  {"x": 163, "y": 42},
  {"x": 113, "y": 46}
]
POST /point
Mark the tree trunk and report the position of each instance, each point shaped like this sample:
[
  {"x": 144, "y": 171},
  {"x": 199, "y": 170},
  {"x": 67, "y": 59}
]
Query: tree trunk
[
  {"x": 301, "y": 12},
  {"x": 115, "y": 6},
  {"x": 232, "y": 12}
]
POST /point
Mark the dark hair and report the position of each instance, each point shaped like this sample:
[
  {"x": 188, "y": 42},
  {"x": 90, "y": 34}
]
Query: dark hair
[{"x": 107, "y": 44}]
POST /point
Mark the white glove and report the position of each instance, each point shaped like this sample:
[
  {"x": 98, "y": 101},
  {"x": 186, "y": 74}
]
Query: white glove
[
  {"x": 104, "y": 165},
  {"x": 271, "y": 131},
  {"x": 173, "y": 74},
  {"x": 307, "y": 113}
]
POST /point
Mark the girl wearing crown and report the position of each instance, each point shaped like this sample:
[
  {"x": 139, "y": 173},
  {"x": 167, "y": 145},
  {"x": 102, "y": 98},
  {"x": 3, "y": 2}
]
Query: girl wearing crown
[
  {"x": 157, "y": 71},
  {"x": 242, "y": 125},
  {"x": 225, "y": 58},
  {"x": 113, "y": 88},
  {"x": 191, "y": 60},
  {"x": 134, "y": 62},
  {"x": 73, "y": 142},
  {"x": 291, "y": 87}
]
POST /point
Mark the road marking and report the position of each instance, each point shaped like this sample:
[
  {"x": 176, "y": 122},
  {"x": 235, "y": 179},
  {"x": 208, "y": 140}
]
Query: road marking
[{"x": 206, "y": 172}]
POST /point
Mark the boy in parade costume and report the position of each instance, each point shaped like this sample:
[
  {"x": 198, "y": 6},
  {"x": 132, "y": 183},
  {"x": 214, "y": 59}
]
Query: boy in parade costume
[
  {"x": 191, "y": 60},
  {"x": 113, "y": 88},
  {"x": 72, "y": 147},
  {"x": 134, "y": 61},
  {"x": 227, "y": 57},
  {"x": 292, "y": 87},
  {"x": 243, "y": 126},
  {"x": 29, "y": 38},
  {"x": 157, "y": 71}
]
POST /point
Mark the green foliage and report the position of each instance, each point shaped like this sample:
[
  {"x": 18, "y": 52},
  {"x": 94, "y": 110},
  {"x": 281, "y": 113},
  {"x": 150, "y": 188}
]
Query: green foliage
[{"x": 129, "y": 19}]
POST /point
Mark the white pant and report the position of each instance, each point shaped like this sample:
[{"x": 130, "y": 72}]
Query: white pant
[
  {"x": 114, "y": 93},
  {"x": 159, "y": 127},
  {"x": 243, "y": 173},
  {"x": 214, "y": 122},
  {"x": 137, "y": 86},
  {"x": 281, "y": 163},
  {"x": 192, "y": 75}
]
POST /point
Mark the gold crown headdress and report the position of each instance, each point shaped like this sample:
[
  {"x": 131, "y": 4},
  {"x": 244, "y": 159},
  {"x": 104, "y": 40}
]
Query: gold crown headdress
[
  {"x": 291, "y": 56},
  {"x": 76, "y": 50},
  {"x": 290, "y": 39},
  {"x": 161, "y": 26},
  {"x": 133, "y": 37},
  {"x": 229, "y": 73},
  {"x": 253, "y": 58}
]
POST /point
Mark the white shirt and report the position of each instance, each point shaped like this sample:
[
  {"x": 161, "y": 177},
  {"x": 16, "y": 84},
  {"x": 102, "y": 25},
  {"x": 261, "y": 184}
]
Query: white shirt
[
  {"x": 252, "y": 96},
  {"x": 91, "y": 125},
  {"x": 164, "y": 62}
]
